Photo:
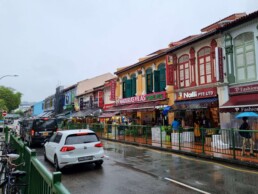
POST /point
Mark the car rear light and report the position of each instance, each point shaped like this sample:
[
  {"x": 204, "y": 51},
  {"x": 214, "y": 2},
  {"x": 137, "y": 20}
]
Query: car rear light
[
  {"x": 99, "y": 145},
  {"x": 67, "y": 148},
  {"x": 32, "y": 132},
  {"x": 56, "y": 129}
]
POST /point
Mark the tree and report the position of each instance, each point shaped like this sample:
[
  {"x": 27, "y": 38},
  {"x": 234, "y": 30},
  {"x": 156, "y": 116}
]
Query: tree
[{"x": 9, "y": 100}]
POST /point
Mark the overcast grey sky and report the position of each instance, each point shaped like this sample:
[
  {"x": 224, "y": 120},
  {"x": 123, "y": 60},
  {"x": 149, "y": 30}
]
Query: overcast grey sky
[{"x": 60, "y": 42}]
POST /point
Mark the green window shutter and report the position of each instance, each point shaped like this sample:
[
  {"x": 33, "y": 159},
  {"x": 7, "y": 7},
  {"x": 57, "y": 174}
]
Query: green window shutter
[
  {"x": 133, "y": 86},
  {"x": 128, "y": 88},
  {"x": 124, "y": 89},
  {"x": 162, "y": 79},
  {"x": 156, "y": 81},
  {"x": 151, "y": 82}
]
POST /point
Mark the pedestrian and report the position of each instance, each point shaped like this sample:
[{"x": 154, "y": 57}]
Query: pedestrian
[
  {"x": 175, "y": 125},
  {"x": 247, "y": 137},
  {"x": 197, "y": 132}
]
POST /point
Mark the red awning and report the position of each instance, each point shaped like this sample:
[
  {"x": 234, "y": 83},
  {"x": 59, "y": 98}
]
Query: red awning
[
  {"x": 108, "y": 114},
  {"x": 241, "y": 103},
  {"x": 136, "y": 106}
]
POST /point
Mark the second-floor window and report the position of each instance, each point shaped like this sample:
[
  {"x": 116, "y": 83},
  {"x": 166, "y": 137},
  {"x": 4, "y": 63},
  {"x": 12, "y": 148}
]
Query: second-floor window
[
  {"x": 205, "y": 68},
  {"x": 129, "y": 86},
  {"x": 149, "y": 81},
  {"x": 184, "y": 72},
  {"x": 245, "y": 57},
  {"x": 160, "y": 78}
]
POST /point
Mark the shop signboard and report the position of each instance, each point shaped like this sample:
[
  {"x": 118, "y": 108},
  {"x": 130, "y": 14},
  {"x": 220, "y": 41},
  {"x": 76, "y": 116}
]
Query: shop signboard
[
  {"x": 142, "y": 98},
  {"x": 196, "y": 94},
  {"x": 243, "y": 89},
  {"x": 219, "y": 64},
  {"x": 113, "y": 90},
  {"x": 101, "y": 100}
]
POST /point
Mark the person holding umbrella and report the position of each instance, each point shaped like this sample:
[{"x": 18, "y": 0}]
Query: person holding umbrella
[{"x": 247, "y": 137}]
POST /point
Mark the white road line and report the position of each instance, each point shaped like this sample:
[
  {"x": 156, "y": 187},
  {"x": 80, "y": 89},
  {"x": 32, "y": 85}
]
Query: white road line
[{"x": 190, "y": 187}]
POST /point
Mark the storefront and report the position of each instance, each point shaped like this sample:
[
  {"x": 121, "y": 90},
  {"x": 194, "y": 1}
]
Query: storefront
[
  {"x": 242, "y": 98},
  {"x": 141, "y": 110},
  {"x": 199, "y": 104}
]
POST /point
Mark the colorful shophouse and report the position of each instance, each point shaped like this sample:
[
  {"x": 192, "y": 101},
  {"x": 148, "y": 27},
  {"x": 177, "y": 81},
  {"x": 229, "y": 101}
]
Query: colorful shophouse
[
  {"x": 141, "y": 90},
  {"x": 89, "y": 96},
  {"x": 195, "y": 71},
  {"x": 240, "y": 40},
  {"x": 69, "y": 97}
]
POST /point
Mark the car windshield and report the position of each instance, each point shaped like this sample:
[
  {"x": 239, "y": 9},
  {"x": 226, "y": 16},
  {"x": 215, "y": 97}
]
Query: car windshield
[
  {"x": 80, "y": 139},
  {"x": 42, "y": 124}
]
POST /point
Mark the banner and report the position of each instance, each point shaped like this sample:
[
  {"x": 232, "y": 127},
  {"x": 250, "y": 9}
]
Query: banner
[
  {"x": 101, "y": 99},
  {"x": 113, "y": 90}
]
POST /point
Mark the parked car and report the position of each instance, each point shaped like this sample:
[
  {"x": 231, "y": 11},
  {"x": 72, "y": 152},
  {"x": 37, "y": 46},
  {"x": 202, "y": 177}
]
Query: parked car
[
  {"x": 72, "y": 147},
  {"x": 35, "y": 131}
]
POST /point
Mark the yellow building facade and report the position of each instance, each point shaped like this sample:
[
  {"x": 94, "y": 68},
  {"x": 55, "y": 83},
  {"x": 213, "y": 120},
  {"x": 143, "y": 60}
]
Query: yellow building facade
[{"x": 142, "y": 92}]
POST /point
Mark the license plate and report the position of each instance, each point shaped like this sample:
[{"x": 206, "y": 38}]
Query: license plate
[
  {"x": 45, "y": 133},
  {"x": 85, "y": 158}
]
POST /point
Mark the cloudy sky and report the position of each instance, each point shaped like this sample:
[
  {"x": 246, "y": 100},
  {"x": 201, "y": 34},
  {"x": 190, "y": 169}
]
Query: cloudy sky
[{"x": 60, "y": 42}]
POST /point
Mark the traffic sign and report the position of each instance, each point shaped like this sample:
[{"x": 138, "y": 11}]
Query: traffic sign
[{"x": 4, "y": 113}]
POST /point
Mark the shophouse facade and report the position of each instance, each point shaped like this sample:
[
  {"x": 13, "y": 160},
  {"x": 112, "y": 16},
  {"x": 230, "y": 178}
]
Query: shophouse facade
[
  {"x": 141, "y": 90},
  {"x": 240, "y": 40},
  {"x": 89, "y": 93},
  {"x": 49, "y": 106},
  {"x": 38, "y": 108},
  {"x": 69, "y": 97},
  {"x": 196, "y": 72}
]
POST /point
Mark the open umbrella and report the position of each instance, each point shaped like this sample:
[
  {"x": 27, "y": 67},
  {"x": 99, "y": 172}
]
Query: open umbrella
[{"x": 247, "y": 114}]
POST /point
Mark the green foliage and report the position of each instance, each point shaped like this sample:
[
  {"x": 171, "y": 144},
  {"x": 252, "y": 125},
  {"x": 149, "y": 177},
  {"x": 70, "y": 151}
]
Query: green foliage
[
  {"x": 168, "y": 129},
  {"x": 9, "y": 100}
]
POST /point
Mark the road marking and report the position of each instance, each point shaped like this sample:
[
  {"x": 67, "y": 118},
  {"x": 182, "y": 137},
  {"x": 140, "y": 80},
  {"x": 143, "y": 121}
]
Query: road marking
[{"x": 188, "y": 186}]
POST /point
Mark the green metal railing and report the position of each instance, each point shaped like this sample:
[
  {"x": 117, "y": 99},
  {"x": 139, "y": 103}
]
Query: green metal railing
[
  {"x": 211, "y": 142},
  {"x": 38, "y": 178}
]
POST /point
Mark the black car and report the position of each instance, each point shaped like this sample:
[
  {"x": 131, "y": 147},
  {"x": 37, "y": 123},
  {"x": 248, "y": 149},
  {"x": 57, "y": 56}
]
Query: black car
[{"x": 35, "y": 131}]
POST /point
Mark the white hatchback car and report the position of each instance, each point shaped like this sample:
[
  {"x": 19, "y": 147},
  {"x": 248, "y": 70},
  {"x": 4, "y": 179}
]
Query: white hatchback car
[{"x": 70, "y": 147}]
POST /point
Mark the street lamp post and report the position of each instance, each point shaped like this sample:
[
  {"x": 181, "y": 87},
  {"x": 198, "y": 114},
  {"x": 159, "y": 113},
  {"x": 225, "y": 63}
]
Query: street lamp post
[{"x": 8, "y": 76}]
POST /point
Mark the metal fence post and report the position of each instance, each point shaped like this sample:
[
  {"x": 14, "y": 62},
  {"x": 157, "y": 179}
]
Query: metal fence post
[
  {"x": 115, "y": 130},
  {"x": 233, "y": 143},
  {"x": 160, "y": 136},
  {"x": 6, "y": 131},
  {"x": 146, "y": 135},
  {"x": 203, "y": 139},
  {"x": 179, "y": 137}
]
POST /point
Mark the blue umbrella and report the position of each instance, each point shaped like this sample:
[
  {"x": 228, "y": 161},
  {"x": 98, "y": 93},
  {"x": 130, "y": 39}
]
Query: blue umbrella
[{"x": 247, "y": 114}]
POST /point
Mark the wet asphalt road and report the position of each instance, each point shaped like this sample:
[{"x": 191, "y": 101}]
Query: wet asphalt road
[{"x": 136, "y": 170}]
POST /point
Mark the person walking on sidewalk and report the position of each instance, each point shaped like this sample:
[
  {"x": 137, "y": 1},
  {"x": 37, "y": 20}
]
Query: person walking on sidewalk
[
  {"x": 247, "y": 137},
  {"x": 175, "y": 125}
]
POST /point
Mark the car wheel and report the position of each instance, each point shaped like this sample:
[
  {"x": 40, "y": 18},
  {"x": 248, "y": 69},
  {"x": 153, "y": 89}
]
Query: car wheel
[
  {"x": 98, "y": 164},
  {"x": 56, "y": 163}
]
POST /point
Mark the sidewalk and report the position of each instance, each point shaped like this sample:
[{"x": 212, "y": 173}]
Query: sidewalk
[{"x": 192, "y": 149}]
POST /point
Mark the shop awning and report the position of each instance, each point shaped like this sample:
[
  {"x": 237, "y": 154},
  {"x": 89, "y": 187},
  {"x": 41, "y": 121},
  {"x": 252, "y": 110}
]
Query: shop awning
[
  {"x": 63, "y": 115},
  {"x": 46, "y": 114},
  {"x": 136, "y": 106},
  {"x": 241, "y": 103},
  {"x": 84, "y": 113},
  {"x": 195, "y": 104},
  {"x": 108, "y": 114}
]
